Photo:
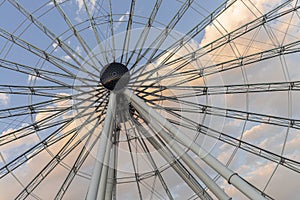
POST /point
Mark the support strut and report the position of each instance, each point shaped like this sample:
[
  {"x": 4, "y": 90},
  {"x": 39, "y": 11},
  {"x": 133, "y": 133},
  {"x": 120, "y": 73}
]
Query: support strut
[
  {"x": 232, "y": 177},
  {"x": 105, "y": 141}
]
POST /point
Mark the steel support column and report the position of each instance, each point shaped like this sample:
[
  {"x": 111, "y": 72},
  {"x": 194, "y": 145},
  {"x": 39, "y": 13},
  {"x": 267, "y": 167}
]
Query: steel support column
[
  {"x": 111, "y": 181},
  {"x": 100, "y": 157}
]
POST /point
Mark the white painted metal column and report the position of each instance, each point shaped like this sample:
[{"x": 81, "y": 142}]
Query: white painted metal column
[
  {"x": 104, "y": 139},
  {"x": 232, "y": 177},
  {"x": 111, "y": 172},
  {"x": 105, "y": 169}
]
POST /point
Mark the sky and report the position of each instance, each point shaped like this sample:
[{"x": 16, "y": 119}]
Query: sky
[{"x": 264, "y": 174}]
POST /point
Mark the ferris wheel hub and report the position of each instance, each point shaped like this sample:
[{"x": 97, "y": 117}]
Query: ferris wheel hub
[{"x": 114, "y": 76}]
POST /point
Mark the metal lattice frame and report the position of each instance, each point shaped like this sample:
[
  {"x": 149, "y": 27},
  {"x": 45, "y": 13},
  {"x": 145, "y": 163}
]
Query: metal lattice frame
[{"x": 82, "y": 130}]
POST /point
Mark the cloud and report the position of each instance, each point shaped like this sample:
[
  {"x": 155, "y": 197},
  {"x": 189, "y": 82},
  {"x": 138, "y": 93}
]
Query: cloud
[
  {"x": 90, "y": 4},
  {"x": 55, "y": 46},
  {"x": 30, "y": 168},
  {"x": 64, "y": 103},
  {"x": 240, "y": 13},
  {"x": 32, "y": 79},
  {"x": 66, "y": 58},
  {"x": 123, "y": 18},
  {"x": 4, "y": 99},
  {"x": 57, "y": 1},
  {"x": 255, "y": 169}
]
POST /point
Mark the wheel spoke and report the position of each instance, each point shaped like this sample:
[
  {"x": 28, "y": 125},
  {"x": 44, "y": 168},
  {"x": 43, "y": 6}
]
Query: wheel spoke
[
  {"x": 191, "y": 33},
  {"x": 228, "y": 113},
  {"x": 139, "y": 46},
  {"x": 68, "y": 50},
  {"x": 180, "y": 169},
  {"x": 128, "y": 33},
  {"x": 84, "y": 153},
  {"x": 165, "y": 32},
  {"x": 226, "y": 138},
  {"x": 220, "y": 42},
  {"x": 86, "y": 48}
]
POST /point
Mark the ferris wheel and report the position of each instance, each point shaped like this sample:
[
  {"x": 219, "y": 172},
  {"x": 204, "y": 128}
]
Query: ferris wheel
[{"x": 173, "y": 99}]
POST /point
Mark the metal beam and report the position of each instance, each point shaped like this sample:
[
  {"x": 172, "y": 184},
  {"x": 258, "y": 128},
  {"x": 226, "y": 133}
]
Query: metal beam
[
  {"x": 203, "y": 90},
  {"x": 187, "y": 159},
  {"x": 220, "y": 42},
  {"x": 111, "y": 178},
  {"x": 225, "y": 112},
  {"x": 176, "y": 46},
  {"x": 159, "y": 40},
  {"x": 231, "y": 176},
  {"x": 83, "y": 155},
  {"x": 104, "y": 140},
  {"x": 176, "y": 164}
]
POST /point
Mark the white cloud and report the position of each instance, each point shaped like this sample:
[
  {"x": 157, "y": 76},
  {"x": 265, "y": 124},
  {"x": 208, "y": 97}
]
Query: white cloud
[
  {"x": 4, "y": 99},
  {"x": 78, "y": 49},
  {"x": 90, "y": 4},
  {"x": 29, "y": 141},
  {"x": 124, "y": 17},
  {"x": 30, "y": 168},
  {"x": 66, "y": 58},
  {"x": 32, "y": 79},
  {"x": 121, "y": 19},
  {"x": 254, "y": 169},
  {"x": 55, "y": 45},
  {"x": 80, "y": 4},
  {"x": 237, "y": 15},
  {"x": 57, "y": 1}
]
